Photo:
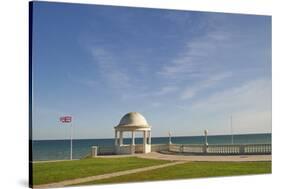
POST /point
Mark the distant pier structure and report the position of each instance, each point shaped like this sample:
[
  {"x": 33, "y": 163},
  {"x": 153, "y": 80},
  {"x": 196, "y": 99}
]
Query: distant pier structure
[{"x": 132, "y": 122}]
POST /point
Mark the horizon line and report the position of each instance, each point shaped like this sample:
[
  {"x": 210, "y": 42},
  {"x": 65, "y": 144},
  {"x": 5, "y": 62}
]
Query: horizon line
[{"x": 156, "y": 136}]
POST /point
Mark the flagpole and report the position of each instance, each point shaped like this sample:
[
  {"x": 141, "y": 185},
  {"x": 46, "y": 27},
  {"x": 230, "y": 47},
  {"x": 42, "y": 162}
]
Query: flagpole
[
  {"x": 71, "y": 141},
  {"x": 68, "y": 120},
  {"x": 231, "y": 129}
]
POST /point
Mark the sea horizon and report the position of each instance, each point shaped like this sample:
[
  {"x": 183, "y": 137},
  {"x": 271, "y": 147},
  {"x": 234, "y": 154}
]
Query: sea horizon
[{"x": 209, "y": 135}]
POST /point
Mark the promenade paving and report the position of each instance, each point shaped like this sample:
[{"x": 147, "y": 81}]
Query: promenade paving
[{"x": 225, "y": 158}]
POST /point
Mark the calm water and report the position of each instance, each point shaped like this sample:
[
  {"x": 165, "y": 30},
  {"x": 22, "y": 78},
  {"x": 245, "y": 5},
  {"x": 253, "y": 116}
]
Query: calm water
[{"x": 60, "y": 149}]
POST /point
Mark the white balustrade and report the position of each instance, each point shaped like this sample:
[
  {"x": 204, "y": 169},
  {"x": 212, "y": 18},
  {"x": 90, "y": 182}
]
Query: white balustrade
[
  {"x": 222, "y": 148},
  {"x": 230, "y": 149}
]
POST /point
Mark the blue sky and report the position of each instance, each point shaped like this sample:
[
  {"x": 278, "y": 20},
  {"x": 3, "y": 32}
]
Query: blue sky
[{"x": 184, "y": 71}]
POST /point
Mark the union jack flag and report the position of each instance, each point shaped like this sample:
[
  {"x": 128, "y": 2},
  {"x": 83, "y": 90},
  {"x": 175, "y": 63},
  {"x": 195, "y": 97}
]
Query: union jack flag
[{"x": 65, "y": 119}]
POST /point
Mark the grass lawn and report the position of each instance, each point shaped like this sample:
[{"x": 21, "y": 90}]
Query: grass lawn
[
  {"x": 193, "y": 170},
  {"x": 44, "y": 173}
]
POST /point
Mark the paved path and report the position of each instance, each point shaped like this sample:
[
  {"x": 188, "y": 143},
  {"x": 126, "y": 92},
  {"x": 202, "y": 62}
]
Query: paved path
[
  {"x": 178, "y": 157},
  {"x": 51, "y": 161},
  {"x": 104, "y": 176}
]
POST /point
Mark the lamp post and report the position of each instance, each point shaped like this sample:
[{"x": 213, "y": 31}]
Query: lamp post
[
  {"x": 206, "y": 137},
  {"x": 231, "y": 130},
  {"x": 205, "y": 148},
  {"x": 170, "y": 140}
]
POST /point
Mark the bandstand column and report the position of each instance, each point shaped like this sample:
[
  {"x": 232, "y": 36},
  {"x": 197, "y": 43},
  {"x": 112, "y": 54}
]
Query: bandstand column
[
  {"x": 149, "y": 139},
  {"x": 144, "y": 141},
  {"x": 144, "y": 137},
  {"x": 133, "y": 137},
  {"x": 116, "y": 141},
  {"x": 120, "y": 138}
]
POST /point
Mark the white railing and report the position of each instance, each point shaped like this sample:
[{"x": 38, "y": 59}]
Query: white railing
[
  {"x": 159, "y": 147},
  {"x": 193, "y": 148},
  {"x": 222, "y": 148},
  {"x": 257, "y": 148},
  {"x": 106, "y": 150},
  {"x": 190, "y": 148},
  {"x": 109, "y": 150}
]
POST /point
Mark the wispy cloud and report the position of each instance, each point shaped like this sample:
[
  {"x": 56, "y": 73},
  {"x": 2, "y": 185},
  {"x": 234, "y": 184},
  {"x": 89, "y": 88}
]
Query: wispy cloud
[
  {"x": 166, "y": 90},
  {"x": 255, "y": 95},
  {"x": 249, "y": 104},
  {"x": 191, "y": 91},
  {"x": 194, "y": 59},
  {"x": 110, "y": 71}
]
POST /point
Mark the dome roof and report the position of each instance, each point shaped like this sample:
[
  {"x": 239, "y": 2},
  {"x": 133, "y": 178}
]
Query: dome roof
[{"x": 133, "y": 119}]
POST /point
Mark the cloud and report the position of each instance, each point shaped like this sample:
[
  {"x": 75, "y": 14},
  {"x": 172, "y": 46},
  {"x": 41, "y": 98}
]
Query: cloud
[
  {"x": 153, "y": 93},
  {"x": 191, "y": 91},
  {"x": 253, "y": 95},
  {"x": 249, "y": 104},
  {"x": 165, "y": 90},
  {"x": 109, "y": 70},
  {"x": 194, "y": 60}
]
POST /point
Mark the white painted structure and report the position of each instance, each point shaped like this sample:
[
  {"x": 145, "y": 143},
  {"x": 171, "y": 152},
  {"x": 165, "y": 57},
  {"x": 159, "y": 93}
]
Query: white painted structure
[
  {"x": 132, "y": 122},
  {"x": 234, "y": 149},
  {"x": 195, "y": 149}
]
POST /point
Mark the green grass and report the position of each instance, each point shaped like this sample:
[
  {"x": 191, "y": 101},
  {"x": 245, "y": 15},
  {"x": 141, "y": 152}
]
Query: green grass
[
  {"x": 193, "y": 170},
  {"x": 44, "y": 173}
]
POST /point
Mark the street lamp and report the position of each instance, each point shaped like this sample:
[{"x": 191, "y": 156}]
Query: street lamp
[
  {"x": 170, "y": 140},
  {"x": 206, "y": 136}
]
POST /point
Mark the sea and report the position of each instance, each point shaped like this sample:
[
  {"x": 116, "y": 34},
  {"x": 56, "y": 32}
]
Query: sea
[{"x": 60, "y": 149}]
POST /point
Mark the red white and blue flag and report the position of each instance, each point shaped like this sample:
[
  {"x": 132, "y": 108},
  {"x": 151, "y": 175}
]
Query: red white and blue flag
[{"x": 65, "y": 119}]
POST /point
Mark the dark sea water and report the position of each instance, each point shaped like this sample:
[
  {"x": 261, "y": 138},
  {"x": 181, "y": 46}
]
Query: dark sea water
[{"x": 60, "y": 149}]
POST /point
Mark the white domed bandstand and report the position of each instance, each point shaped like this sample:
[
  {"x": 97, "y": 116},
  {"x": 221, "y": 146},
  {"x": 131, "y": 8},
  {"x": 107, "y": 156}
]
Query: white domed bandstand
[{"x": 132, "y": 122}]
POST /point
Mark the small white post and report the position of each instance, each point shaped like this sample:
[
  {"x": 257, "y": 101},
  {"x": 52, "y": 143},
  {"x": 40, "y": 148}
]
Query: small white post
[{"x": 94, "y": 151}]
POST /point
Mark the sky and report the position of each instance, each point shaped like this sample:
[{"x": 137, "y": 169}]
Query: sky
[{"x": 184, "y": 71}]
